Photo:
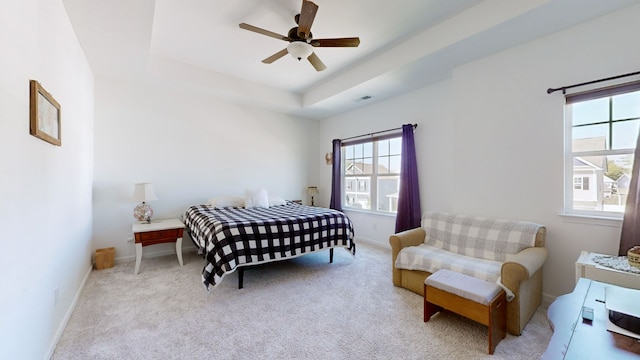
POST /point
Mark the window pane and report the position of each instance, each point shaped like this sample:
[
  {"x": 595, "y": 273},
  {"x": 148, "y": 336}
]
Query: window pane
[
  {"x": 590, "y": 138},
  {"x": 357, "y": 150},
  {"x": 626, "y": 106},
  {"x": 367, "y": 150},
  {"x": 395, "y": 146},
  {"x": 394, "y": 164},
  {"x": 383, "y": 164},
  {"x": 371, "y": 175},
  {"x": 357, "y": 194},
  {"x": 347, "y": 152},
  {"x": 601, "y": 182},
  {"x": 625, "y": 134},
  {"x": 591, "y": 111},
  {"x": 388, "y": 193},
  {"x": 383, "y": 147},
  {"x": 367, "y": 165}
]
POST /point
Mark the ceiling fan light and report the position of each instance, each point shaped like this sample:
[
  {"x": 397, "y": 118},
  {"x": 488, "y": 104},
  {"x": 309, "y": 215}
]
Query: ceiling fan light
[{"x": 299, "y": 49}]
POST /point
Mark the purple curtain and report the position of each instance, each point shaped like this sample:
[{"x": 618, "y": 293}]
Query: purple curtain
[
  {"x": 630, "y": 234},
  {"x": 336, "y": 183},
  {"x": 409, "y": 212}
]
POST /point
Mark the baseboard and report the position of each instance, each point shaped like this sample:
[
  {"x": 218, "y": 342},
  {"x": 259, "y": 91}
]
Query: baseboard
[
  {"x": 67, "y": 315},
  {"x": 372, "y": 242},
  {"x": 547, "y": 299}
]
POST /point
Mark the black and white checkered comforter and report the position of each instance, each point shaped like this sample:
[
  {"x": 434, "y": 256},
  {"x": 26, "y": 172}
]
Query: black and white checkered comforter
[{"x": 232, "y": 237}]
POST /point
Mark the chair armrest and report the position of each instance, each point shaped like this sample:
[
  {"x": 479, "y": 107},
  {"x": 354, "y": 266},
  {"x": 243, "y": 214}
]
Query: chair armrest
[
  {"x": 519, "y": 267},
  {"x": 411, "y": 237}
]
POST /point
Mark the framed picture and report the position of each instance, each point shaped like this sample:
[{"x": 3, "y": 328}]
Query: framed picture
[{"x": 44, "y": 115}]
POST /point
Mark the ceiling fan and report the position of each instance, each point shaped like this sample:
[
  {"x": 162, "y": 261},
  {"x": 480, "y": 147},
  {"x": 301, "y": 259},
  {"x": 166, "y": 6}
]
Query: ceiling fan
[{"x": 300, "y": 38}]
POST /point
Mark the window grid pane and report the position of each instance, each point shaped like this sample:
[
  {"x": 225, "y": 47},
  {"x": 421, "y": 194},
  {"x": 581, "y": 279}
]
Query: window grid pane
[
  {"x": 607, "y": 127},
  {"x": 372, "y": 175}
]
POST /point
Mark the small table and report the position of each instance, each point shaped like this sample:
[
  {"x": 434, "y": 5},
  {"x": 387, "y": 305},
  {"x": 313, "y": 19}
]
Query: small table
[
  {"x": 587, "y": 268},
  {"x": 157, "y": 232},
  {"x": 574, "y": 338}
]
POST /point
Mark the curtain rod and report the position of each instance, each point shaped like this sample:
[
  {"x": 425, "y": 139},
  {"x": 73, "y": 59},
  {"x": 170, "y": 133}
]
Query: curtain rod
[
  {"x": 374, "y": 133},
  {"x": 564, "y": 88}
]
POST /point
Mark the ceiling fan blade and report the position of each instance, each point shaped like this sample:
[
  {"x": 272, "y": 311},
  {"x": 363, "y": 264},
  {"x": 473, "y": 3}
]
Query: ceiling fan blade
[
  {"x": 307, "y": 15},
  {"x": 339, "y": 42},
  {"x": 264, "y": 32},
  {"x": 316, "y": 62},
  {"x": 275, "y": 56}
]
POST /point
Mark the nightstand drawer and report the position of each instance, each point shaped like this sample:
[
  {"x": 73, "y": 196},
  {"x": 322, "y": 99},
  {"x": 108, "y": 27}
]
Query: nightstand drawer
[{"x": 158, "y": 236}]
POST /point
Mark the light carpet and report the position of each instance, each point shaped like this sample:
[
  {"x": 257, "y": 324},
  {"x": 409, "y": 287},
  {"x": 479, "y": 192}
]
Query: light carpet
[{"x": 304, "y": 308}]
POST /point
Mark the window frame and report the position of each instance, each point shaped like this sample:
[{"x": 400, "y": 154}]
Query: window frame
[
  {"x": 569, "y": 154},
  {"x": 374, "y": 176}
]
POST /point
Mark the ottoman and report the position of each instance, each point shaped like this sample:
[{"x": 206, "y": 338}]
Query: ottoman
[{"x": 473, "y": 298}]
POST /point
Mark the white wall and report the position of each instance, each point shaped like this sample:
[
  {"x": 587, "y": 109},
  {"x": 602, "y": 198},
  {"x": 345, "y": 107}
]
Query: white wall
[
  {"x": 490, "y": 139},
  {"x": 430, "y": 108},
  {"x": 191, "y": 147},
  {"x": 45, "y": 203}
]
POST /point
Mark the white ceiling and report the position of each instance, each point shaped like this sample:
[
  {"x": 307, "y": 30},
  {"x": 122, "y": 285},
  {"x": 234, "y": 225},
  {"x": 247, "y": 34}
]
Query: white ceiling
[{"x": 404, "y": 44}]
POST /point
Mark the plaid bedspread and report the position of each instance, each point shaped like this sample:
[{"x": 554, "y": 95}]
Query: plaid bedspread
[{"x": 232, "y": 237}]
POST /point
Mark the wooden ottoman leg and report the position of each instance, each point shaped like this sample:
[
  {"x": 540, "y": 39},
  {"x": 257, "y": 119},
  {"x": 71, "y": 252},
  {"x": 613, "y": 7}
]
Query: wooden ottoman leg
[
  {"x": 497, "y": 320},
  {"x": 429, "y": 308}
]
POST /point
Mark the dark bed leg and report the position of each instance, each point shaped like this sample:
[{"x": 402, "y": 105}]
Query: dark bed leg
[
  {"x": 331, "y": 256},
  {"x": 240, "y": 277}
]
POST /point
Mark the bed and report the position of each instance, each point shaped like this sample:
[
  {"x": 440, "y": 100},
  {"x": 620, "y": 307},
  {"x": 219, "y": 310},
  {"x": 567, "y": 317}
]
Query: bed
[{"x": 232, "y": 238}]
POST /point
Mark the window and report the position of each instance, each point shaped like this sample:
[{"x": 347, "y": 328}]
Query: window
[
  {"x": 601, "y": 130},
  {"x": 372, "y": 174}
]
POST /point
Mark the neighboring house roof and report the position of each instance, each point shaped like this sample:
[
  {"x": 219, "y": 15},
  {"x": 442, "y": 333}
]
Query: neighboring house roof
[
  {"x": 358, "y": 167},
  {"x": 592, "y": 144},
  {"x": 582, "y": 162}
]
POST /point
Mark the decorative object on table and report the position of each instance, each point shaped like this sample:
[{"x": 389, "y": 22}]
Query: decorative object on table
[
  {"x": 633, "y": 256},
  {"x": 312, "y": 191},
  {"x": 620, "y": 263},
  {"x": 144, "y": 192},
  {"x": 44, "y": 115}
]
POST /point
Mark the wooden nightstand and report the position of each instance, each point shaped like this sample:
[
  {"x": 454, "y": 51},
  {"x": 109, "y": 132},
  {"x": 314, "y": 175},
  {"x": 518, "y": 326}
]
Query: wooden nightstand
[{"x": 157, "y": 232}]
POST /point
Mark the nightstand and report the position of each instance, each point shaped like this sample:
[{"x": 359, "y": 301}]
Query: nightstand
[{"x": 157, "y": 232}]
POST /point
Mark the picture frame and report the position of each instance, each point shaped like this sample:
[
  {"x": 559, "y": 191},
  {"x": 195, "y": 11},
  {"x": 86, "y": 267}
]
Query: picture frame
[{"x": 44, "y": 115}]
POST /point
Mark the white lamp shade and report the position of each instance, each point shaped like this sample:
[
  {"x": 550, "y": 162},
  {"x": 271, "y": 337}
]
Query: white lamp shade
[
  {"x": 299, "y": 49},
  {"x": 144, "y": 192},
  {"x": 312, "y": 190}
]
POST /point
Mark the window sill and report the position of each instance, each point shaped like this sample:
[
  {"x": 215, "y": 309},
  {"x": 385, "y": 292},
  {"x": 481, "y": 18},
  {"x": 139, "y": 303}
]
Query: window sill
[
  {"x": 592, "y": 220},
  {"x": 369, "y": 212}
]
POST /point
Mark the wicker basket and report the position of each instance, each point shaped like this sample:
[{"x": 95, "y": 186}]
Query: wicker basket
[
  {"x": 633, "y": 255},
  {"x": 104, "y": 258}
]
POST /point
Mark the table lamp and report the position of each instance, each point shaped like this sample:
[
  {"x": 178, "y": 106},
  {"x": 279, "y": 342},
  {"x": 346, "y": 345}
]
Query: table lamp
[
  {"x": 312, "y": 191},
  {"x": 143, "y": 192}
]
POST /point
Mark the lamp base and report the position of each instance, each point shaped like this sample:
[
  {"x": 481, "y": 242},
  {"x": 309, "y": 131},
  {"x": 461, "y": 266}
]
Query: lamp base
[{"x": 143, "y": 212}]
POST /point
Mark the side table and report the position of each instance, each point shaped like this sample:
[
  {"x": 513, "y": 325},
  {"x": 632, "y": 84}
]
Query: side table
[
  {"x": 157, "y": 232},
  {"x": 587, "y": 268}
]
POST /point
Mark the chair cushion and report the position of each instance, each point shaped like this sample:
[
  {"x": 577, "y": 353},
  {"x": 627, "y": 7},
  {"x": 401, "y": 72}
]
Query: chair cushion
[
  {"x": 431, "y": 259},
  {"x": 467, "y": 287}
]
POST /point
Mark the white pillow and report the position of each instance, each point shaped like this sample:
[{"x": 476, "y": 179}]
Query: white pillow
[
  {"x": 226, "y": 201},
  {"x": 275, "y": 200},
  {"x": 256, "y": 199}
]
